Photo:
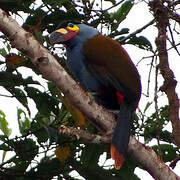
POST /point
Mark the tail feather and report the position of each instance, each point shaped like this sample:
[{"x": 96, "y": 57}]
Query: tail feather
[
  {"x": 117, "y": 157},
  {"x": 121, "y": 135}
]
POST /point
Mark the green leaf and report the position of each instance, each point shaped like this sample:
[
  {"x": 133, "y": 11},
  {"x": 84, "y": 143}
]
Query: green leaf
[
  {"x": 16, "y": 5},
  {"x": 21, "y": 97},
  {"x": 118, "y": 33},
  {"x": 56, "y": 3},
  {"x": 167, "y": 151},
  {"x": 4, "y": 155},
  {"x": 44, "y": 102},
  {"x": 3, "y": 52},
  {"x": 147, "y": 106},
  {"x": 23, "y": 121},
  {"x": 123, "y": 31},
  {"x": 26, "y": 149},
  {"x": 29, "y": 80},
  {"x": 127, "y": 170},
  {"x": 53, "y": 135},
  {"x": 153, "y": 127},
  {"x": 20, "y": 166},
  {"x": 3, "y": 137},
  {"x": 39, "y": 131},
  {"x": 8, "y": 47},
  {"x": 94, "y": 151},
  {"x": 44, "y": 167},
  {"x": 141, "y": 42},
  {"x": 5, "y": 147},
  {"x": 9, "y": 80},
  {"x": 40, "y": 99},
  {"x": 4, "y": 124},
  {"x": 121, "y": 13}
]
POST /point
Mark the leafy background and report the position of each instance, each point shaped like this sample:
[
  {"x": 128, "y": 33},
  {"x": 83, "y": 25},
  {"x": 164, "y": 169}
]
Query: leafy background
[{"x": 36, "y": 150}]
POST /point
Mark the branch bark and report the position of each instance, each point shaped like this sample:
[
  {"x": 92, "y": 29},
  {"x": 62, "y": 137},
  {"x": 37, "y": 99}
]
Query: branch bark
[
  {"x": 100, "y": 117},
  {"x": 162, "y": 21},
  {"x": 143, "y": 154},
  {"x": 174, "y": 16}
]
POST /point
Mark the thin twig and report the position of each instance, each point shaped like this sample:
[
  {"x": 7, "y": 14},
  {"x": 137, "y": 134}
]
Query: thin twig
[
  {"x": 100, "y": 10},
  {"x": 149, "y": 75},
  {"x": 137, "y": 31},
  {"x": 84, "y": 135},
  {"x": 173, "y": 41},
  {"x": 3, "y": 95},
  {"x": 174, "y": 16}
]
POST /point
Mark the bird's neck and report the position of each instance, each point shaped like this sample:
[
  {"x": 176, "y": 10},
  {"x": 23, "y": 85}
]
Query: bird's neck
[
  {"x": 72, "y": 43},
  {"x": 81, "y": 39}
]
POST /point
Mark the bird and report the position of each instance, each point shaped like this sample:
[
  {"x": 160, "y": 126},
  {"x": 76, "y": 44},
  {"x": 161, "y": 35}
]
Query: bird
[{"x": 103, "y": 68}]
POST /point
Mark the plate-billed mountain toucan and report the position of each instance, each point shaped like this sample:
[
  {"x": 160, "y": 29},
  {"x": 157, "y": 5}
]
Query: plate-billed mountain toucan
[{"x": 104, "y": 68}]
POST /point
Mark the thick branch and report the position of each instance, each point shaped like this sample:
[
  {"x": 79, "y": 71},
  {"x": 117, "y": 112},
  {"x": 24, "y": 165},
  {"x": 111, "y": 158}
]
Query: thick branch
[
  {"x": 148, "y": 158},
  {"x": 51, "y": 70},
  {"x": 143, "y": 154},
  {"x": 161, "y": 15}
]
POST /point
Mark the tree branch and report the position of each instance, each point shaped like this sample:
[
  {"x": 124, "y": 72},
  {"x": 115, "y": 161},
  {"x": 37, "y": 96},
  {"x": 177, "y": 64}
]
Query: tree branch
[
  {"x": 174, "y": 16},
  {"x": 143, "y": 154},
  {"x": 84, "y": 135},
  {"x": 161, "y": 15},
  {"x": 137, "y": 31},
  {"x": 100, "y": 117},
  {"x": 148, "y": 158}
]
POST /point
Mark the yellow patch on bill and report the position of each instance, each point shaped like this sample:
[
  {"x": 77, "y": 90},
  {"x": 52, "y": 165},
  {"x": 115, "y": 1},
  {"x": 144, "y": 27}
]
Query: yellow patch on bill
[{"x": 62, "y": 31}]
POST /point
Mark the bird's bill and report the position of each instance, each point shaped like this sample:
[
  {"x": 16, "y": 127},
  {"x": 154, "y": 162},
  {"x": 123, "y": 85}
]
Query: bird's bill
[{"x": 61, "y": 36}]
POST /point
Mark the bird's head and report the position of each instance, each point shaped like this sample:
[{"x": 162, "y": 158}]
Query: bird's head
[{"x": 68, "y": 31}]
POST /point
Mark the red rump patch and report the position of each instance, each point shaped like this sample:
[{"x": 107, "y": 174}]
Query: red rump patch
[{"x": 119, "y": 97}]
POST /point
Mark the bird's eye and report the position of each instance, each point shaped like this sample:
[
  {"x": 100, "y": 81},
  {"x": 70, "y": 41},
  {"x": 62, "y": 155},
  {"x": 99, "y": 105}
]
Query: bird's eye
[{"x": 71, "y": 25}]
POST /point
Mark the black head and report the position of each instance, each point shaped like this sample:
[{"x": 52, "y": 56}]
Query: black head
[
  {"x": 68, "y": 30},
  {"x": 66, "y": 23}
]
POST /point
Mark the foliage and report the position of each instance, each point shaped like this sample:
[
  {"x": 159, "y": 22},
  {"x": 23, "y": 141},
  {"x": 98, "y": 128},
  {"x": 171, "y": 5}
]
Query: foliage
[{"x": 40, "y": 151}]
